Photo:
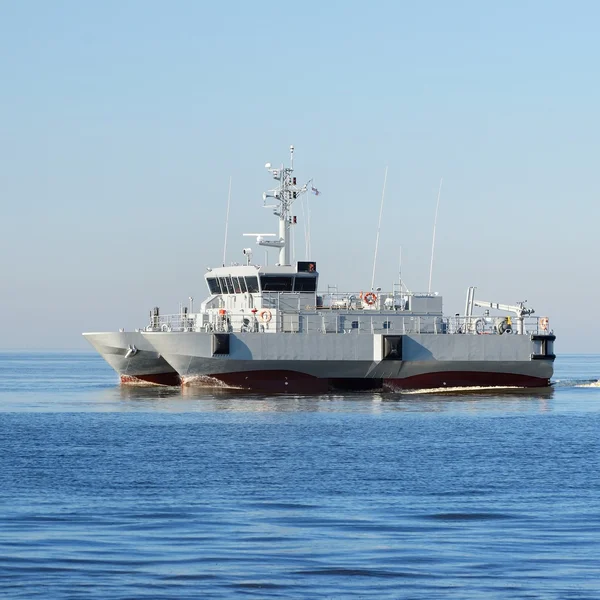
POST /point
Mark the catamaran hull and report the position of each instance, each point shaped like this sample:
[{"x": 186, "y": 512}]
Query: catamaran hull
[
  {"x": 320, "y": 363},
  {"x": 297, "y": 382},
  {"x": 135, "y": 360}
]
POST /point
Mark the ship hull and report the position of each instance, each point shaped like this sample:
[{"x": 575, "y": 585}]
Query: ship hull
[
  {"x": 135, "y": 360},
  {"x": 288, "y": 381},
  {"x": 296, "y": 364}
]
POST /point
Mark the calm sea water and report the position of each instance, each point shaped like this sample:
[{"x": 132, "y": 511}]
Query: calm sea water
[{"x": 108, "y": 492}]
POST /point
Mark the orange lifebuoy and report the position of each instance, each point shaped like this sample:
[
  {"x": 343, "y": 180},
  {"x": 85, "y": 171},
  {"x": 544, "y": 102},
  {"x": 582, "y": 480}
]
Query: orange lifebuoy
[
  {"x": 265, "y": 315},
  {"x": 370, "y": 298},
  {"x": 544, "y": 323}
]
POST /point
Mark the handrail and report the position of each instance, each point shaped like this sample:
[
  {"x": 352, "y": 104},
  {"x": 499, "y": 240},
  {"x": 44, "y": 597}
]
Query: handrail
[{"x": 326, "y": 321}]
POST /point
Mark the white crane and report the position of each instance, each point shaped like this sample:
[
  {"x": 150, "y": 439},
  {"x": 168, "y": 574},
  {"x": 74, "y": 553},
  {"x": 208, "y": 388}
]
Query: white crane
[{"x": 519, "y": 309}]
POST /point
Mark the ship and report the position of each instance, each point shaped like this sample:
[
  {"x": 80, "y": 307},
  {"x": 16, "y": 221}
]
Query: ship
[{"x": 269, "y": 328}]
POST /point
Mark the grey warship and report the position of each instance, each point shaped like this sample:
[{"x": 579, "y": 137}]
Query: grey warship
[{"x": 268, "y": 328}]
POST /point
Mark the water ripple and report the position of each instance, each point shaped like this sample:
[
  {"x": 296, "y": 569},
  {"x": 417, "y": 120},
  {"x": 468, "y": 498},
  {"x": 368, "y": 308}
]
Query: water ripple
[
  {"x": 477, "y": 516},
  {"x": 155, "y": 493}
]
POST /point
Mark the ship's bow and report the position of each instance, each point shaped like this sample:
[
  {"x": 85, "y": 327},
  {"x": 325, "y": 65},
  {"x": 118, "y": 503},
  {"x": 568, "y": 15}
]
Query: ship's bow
[{"x": 133, "y": 358}]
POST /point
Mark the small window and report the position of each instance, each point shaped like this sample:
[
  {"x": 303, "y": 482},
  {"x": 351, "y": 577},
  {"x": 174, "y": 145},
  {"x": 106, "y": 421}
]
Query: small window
[
  {"x": 213, "y": 285},
  {"x": 236, "y": 285},
  {"x": 306, "y": 267},
  {"x": 243, "y": 285},
  {"x": 305, "y": 284},
  {"x": 274, "y": 283},
  {"x": 252, "y": 283}
]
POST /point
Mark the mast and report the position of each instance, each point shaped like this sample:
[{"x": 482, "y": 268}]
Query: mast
[{"x": 286, "y": 194}]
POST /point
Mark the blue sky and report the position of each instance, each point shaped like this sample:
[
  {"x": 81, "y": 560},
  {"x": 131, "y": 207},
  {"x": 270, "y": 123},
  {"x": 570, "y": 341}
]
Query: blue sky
[{"x": 121, "y": 123}]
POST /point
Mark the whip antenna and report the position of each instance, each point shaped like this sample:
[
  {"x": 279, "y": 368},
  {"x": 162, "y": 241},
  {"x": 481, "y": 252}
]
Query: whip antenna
[
  {"x": 227, "y": 221},
  {"x": 309, "y": 245},
  {"x": 378, "y": 229},
  {"x": 400, "y": 269},
  {"x": 437, "y": 206}
]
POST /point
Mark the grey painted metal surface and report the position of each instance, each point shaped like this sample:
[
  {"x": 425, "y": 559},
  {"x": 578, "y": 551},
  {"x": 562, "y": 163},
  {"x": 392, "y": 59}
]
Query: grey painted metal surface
[
  {"x": 129, "y": 354},
  {"x": 349, "y": 356}
]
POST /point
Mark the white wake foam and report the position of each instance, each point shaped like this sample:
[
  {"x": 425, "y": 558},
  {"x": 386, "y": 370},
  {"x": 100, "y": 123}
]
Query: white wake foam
[
  {"x": 132, "y": 381},
  {"x": 591, "y": 384},
  {"x": 207, "y": 382},
  {"x": 452, "y": 390}
]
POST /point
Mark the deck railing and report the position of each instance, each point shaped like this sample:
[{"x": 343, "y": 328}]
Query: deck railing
[
  {"x": 372, "y": 301},
  {"x": 326, "y": 321}
]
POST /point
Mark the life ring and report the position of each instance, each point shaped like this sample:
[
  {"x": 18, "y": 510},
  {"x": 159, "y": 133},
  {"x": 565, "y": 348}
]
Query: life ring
[
  {"x": 265, "y": 315},
  {"x": 479, "y": 326},
  {"x": 370, "y": 298},
  {"x": 544, "y": 323}
]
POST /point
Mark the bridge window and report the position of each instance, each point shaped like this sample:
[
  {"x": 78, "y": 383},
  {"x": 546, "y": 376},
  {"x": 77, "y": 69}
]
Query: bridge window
[
  {"x": 213, "y": 285},
  {"x": 236, "y": 285},
  {"x": 223, "y": 284},
  {"x": 305, "y": 284},
  {"x": 252, "y": 284},
  {"x": 276, "y": 283}
]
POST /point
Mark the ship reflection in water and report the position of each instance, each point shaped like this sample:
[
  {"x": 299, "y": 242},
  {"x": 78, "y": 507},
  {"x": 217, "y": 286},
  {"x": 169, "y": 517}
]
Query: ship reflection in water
[{"x": 184, "y": 399}]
